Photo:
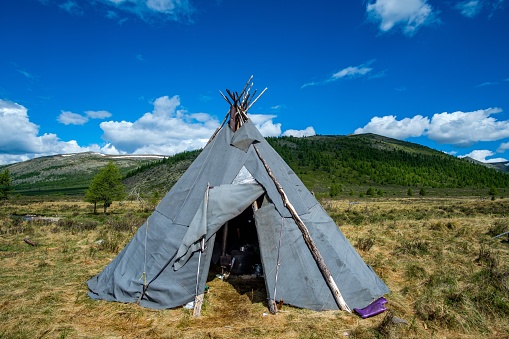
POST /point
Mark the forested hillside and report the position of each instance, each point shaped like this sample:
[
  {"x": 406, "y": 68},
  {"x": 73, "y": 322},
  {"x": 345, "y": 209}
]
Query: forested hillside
[{"x": 369, "y": 159}]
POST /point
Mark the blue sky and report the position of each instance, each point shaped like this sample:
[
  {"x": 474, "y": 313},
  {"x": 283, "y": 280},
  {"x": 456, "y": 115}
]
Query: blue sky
[{"x": 143, "y": 76}]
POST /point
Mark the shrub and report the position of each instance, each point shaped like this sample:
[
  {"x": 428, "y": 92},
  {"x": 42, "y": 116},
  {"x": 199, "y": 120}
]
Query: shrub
[
  {"x": 499, "y": 226},
  {"x": 365, "y": 244},
  {"x": 413, "y": 247}
]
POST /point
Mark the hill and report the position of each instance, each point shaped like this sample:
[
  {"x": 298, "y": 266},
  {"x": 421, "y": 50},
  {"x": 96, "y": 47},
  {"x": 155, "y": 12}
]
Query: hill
[
  {"x": 328, "y": 165},
  {"x": 357, "y": 162},
  {"x": 502, "y": 166},
  {"x": 67, "y": 173}
]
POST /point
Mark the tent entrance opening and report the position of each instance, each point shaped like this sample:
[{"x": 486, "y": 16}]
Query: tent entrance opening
[{"x": 236, "y": 249}]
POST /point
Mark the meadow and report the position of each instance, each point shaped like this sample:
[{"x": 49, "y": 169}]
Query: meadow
[{"x": 449, "y": 278}]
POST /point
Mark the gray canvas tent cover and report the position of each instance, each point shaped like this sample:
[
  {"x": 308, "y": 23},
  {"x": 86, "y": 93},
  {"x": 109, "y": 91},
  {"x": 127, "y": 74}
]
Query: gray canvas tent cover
[{"x": 166, "y": 264}]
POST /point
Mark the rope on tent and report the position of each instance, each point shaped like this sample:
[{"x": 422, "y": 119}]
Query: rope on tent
[
  {"x": 198, "y": 300},
  {"x": 278, "y": 262},
  {"x": 145, "y": 287},
  {"x": 144, "y": 275},
  {"x": 322, "y": 266}
]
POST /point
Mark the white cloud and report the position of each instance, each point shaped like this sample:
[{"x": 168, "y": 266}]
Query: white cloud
[
  {"x": 277, "y": 108},
  {"x": 488, "y": 83},
  {"x": 70, "y": 118},
  {"x": 162, "y": 5},
  {"x": 461, "y": 129},
  {"x": 17, "y": 133},
  {"x": 481, "y": 155},
  {"x": 19, "y": 139},
  {"x": 265, "y": 124},
  {"x": 110, "y": 149},
  {"x": 98, "y": 114},
  {"x": 72, "y": 7},
  {"x": 309, "y": 131},
  {"x": 503, "y": 147},
  {"x": 389, "y": 126},
  {"x": 466, "y": 128},
  {"x": 409, "y": 15},
  {"x": 166, "y": 130},
  {"x": 169, "y": 129},
  {"x": 350, "y": 72},
  {"x": 469, "y": 8},
  {"x": 147, "y": 10},
  {"x": 26, "y": 74}
]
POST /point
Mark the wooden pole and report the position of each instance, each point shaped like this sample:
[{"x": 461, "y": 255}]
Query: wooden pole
[
  {"x": 258, "y": 97},
  {"x": 217, "y": 130},
  {"x": 307, "y": 239},
  {"x": 271, "y": 302}
]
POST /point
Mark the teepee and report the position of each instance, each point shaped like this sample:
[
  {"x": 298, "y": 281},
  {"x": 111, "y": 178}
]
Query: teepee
[{"x": 307, "y": 262}]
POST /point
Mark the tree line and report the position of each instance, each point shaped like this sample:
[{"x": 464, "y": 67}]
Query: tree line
[{"x": 364, "y": 160}]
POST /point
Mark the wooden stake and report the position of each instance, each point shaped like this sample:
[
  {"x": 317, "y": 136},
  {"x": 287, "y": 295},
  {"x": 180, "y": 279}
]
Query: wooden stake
[
  {"x": 30, "y": 242},
  {"x": 307, "y": 239},
  {"x": 198, "y": 302}
]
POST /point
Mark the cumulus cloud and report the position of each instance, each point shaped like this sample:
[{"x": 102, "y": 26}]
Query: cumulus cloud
[
  {"x": 168, "y": 129},
  {"x": 98, "y": 114},
  {"x": 481, "y": 155},
  {"x": 408, "y": 15},
  {"x": 464, "y": 129},
  {"x": 70, "y": 118},
  {"x": 399, "y": 129},
  {"x": 461, "y": 129},
  {"x": 503, "y": 147},
  {"x": 350, "y": 72},
  {"x": 309, "y": 131},
  {"x": 20, "y": 139},
  {"x": 265, "y": 124}
]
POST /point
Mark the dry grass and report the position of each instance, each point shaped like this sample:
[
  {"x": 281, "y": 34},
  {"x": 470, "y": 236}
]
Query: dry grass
[{"x": 447, "y": 276}]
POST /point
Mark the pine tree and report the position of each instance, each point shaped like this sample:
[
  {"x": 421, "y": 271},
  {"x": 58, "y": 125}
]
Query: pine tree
[
  {"x": 105, "y": 187},
  {"x": 5, "y": 185}
]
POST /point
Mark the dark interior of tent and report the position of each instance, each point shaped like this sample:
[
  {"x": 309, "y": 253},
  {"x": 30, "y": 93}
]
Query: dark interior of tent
[{"x": 236, "y": 255}]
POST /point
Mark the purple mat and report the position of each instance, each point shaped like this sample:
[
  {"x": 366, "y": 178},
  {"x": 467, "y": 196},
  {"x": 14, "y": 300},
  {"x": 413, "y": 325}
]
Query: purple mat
[{"x": 376, "y": 307}]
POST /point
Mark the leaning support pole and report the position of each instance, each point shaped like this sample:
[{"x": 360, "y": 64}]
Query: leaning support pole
[
  {"x": 307, "y": 239},
  {"x": 270, "y": 302}
]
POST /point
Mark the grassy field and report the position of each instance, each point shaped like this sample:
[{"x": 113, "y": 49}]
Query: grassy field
[{"x": 447, "y": 275}]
